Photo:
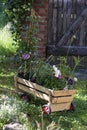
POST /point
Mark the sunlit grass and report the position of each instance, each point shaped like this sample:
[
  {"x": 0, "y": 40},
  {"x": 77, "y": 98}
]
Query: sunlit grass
[
  {"x": 6, "y": 47},
  {"x": 6, "y": 76}
]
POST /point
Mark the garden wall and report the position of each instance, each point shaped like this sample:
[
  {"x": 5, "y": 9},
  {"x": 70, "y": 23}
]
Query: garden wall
[{"x": 41, "y": 10}]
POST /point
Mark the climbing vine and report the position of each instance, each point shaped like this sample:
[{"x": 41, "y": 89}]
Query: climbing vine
[{"x": 19, "y": 12}]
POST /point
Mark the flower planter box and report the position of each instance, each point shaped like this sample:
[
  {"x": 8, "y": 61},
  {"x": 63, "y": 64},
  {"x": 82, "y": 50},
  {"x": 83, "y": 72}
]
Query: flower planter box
[{"x": 59, "y": 100}]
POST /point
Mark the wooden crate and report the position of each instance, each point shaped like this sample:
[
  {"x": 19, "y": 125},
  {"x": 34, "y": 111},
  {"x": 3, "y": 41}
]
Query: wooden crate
[{"x": 59, "y": 100}]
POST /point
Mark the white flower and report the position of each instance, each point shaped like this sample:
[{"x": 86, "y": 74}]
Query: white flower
[
  {"x": 56, "y": 72},
  {"x": 75, "y": 79}
]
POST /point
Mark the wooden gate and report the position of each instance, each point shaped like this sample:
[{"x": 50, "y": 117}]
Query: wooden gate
[{"x": 67, "y": 28}]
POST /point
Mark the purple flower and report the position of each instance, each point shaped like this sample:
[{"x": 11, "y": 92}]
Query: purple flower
[
  {"x": 59, "y": 76},
  {"x": 69, "y": 80},
  {"x": 25, "y": 56}
]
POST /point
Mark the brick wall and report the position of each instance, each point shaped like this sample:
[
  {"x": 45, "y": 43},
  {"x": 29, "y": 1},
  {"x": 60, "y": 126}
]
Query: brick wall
[{"x": 41, "y": 11}]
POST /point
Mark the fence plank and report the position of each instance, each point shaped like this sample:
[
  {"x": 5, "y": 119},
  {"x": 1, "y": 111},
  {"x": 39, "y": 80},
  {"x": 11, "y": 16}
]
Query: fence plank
[
  {"x": 60, "y": 107},
  {"x": 62, "y": 13},
  {"x": 59, "y": 20},
  {"x": 74, "y": 27},
  {"x": 50, "y": 22}
]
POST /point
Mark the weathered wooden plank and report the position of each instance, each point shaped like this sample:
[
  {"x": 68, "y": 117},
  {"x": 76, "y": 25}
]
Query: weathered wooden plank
[
  {"x": 82, "y": 30},
  {"x": 82, "y": 34},
  {"x": 62, "y": 99},
  {"x": 67, "y": 50},
  {"x": 34, "y": 92},
  {"x": 54, "y": 24},
  {"x": 50, "y": 21},
  {"x": 59, "y": 20},
  {"x": 74, "y": 9},
  {"x": 63, "y": 92},
  {"x": 67, "y": 35},
  {"x": 33, "y": 85},
  {"x": 64, "y": 16},
  {"x": 55, "y": 3},
  {"x": 78, "y": 11},
  {"x": 69, "y": 12},
  {"x": 60, "y": 107}
]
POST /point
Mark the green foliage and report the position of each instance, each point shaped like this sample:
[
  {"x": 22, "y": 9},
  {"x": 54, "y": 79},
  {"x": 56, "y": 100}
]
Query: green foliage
[
  {"x": 44, "y": 73},
  {"x": 3, "y": 18},
  {"x": 6, "y": 40},
  {"x": 45, "y": 77},
  {"x": 53, "y": 83},
  {"x": 19, "y": 13}
]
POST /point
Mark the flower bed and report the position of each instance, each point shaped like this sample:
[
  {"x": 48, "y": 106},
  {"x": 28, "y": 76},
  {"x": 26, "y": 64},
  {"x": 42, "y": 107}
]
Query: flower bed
[{"x": 58, "y": 99}]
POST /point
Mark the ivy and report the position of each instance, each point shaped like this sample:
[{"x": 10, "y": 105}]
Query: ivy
[{"x": 19, "y": 12}]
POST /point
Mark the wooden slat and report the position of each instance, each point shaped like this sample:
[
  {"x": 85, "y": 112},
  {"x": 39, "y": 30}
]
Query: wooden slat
[
  {"x": 33, "y": 85},
  {"x": 50, "y": 21},
  {"x": 63, "y": 92},
  {"x": 60, "y": 107},
  {"x": 34, "y": 92},
  {"x": 64, "y": 16},
  {"x": 82, "y": 34},
  {"x": 68, "y": 34},
  {"x": 82, "y": 31},
  {"x": 54, "y": 24},
  {"x": 59, "y": 20},
  {"x": 69, "y": 12},
  {"x": 62, "y": 99},
  {"x": 67, "y": 50}
]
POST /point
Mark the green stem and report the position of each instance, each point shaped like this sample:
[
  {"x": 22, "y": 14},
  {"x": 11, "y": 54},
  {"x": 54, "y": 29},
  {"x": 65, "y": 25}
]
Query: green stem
[
  {"x": 42, "y": 121},
  {"x": 25, "y": 65}
]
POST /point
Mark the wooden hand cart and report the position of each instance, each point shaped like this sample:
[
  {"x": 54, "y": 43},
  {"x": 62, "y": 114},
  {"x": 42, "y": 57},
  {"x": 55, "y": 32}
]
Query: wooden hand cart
[{"x": 59, "y": 100}]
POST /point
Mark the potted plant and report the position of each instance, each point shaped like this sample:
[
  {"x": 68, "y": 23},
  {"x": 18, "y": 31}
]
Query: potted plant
[{"x": 53, "y": 83}]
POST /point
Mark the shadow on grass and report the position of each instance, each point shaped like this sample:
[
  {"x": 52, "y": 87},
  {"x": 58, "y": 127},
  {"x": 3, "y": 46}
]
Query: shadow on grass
[
  {"x": 7, "y": 81},
  {"x": 7, "y": 72}
]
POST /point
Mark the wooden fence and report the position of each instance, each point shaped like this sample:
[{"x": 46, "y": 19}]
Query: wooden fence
[
  {"x": 62, "y": 13},
  {"x": 67, "y": 25}
]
